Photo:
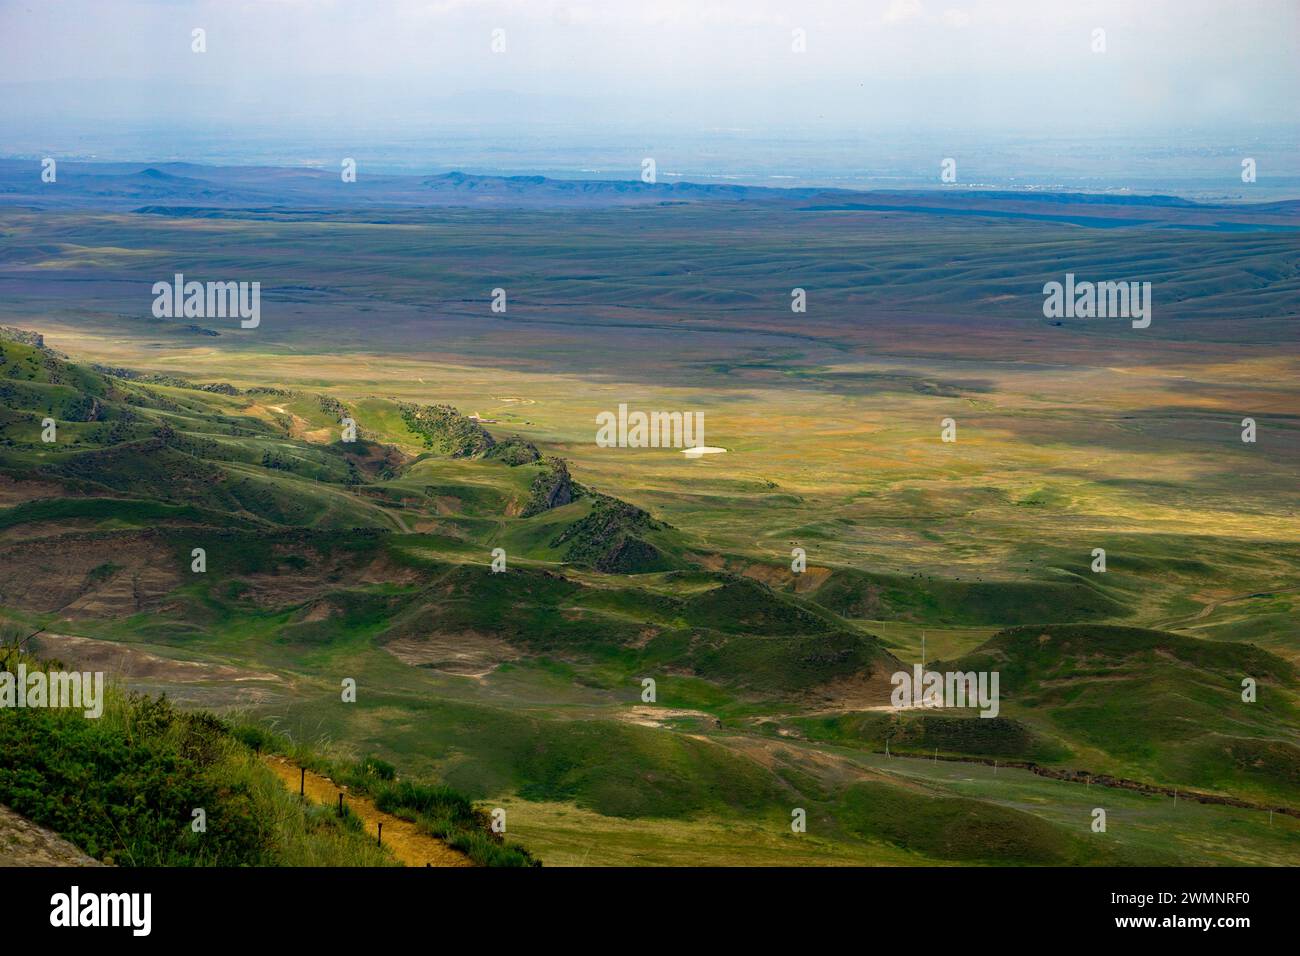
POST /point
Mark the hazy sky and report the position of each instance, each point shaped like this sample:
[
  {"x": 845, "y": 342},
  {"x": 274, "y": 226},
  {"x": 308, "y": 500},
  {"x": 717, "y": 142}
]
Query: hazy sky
[{"x": 991, "y": 64}]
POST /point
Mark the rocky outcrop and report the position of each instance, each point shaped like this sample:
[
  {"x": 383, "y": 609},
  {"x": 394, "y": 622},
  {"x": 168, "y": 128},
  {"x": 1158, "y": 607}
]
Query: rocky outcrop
[
  {"x": 447, "y": 431},
  {"x": 610, "y": 539},
  {"x": 515, "y": 451},
  {"x": 23, "y": 843},
  {"x": 22, "y": 337},
  {"x": 552, "y": 488}
]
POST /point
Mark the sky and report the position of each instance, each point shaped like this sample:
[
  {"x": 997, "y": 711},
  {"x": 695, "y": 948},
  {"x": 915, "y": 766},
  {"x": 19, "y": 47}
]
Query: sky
[{"x": 696, "y": 65}]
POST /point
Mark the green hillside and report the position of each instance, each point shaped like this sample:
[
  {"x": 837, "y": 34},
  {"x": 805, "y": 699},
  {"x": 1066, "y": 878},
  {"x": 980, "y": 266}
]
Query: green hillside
[
  {"x": 523, "y": 685},
  {"x": 1156, "y": 705}
]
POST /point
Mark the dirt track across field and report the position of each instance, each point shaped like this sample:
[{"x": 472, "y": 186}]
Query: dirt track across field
[{"x": 402, "y": 837}]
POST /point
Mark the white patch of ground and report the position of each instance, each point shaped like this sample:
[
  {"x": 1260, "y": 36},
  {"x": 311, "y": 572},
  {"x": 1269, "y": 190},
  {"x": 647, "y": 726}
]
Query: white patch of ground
[{"x": 652, "y": 716}]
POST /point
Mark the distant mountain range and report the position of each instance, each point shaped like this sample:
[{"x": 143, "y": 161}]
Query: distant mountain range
[{"x": 185, "y": 189}]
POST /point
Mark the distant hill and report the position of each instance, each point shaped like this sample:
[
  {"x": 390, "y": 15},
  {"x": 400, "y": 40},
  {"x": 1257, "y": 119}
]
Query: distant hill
[{"x": 187, "y": 190}]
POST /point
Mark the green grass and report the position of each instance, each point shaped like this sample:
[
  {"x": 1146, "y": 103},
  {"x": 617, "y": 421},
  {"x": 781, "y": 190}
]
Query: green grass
[
  {"x": 962, "y": 830},
  {"x": 120, "y": 511},
  {"x": 1151, "y": 704},
  {"x": 831, "y": 429},
  {"x": 438, "y": 810},
  {"x": 123, "y": 788}
]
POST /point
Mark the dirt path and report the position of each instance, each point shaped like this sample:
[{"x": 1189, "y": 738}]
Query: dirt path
[
  {"x": 402, "y": 838},
  {"x": 1214, "y": 605},
  {"x": 832, "y": 769}
]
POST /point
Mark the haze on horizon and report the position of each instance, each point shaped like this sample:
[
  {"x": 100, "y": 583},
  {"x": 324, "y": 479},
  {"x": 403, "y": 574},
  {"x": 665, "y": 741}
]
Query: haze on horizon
[{"x": 992, "y": 64}]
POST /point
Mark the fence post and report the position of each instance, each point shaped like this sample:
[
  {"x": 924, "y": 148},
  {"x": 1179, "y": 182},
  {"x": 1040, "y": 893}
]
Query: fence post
[
  {"x": 381, "y": 833},
  {"x": 302, "y": 782}
]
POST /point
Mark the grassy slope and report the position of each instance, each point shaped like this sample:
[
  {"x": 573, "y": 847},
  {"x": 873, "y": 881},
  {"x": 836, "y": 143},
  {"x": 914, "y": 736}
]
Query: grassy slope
[
  {"x": 123, "y": 788},
  {"x": 750, "y": 648}
]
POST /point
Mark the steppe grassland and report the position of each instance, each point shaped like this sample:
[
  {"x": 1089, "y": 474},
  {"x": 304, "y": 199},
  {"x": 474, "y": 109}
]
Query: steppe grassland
[
  {"x": 861, "y": 478},
  {"x": 1067, "y": 439}
]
